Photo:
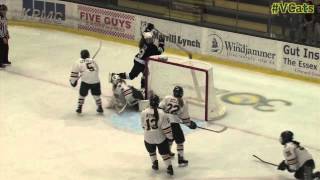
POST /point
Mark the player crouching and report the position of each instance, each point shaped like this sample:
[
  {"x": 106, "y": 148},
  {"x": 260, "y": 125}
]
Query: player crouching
[
  {"x": 297, "y": 158},
  {"x": 157, "y": 133},
  {"x": 124, "y": 96}
]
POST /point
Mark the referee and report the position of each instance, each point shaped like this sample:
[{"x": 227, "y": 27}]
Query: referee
[{"x": 4, "y": 37}]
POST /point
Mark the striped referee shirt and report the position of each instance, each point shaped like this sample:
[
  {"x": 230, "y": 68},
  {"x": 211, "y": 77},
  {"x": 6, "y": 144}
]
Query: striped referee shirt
[{"x": 3, "y": 27}]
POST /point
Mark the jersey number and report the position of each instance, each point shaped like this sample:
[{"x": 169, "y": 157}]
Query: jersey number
[
  {"x": 173, "y": 109},
  {"x": 152, "y": 124},
  {"x": 90, "y": 67}
]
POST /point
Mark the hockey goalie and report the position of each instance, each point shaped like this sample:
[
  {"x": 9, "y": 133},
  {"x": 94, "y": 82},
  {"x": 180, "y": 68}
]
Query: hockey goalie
[{"x": 124, "y": 95}]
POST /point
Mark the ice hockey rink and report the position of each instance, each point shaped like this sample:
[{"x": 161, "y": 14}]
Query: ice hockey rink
[{"x": 42, "y": 138}]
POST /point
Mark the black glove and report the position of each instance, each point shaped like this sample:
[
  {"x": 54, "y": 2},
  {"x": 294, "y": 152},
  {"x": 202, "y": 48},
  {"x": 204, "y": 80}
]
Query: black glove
[
  {"x": 192, "y": 125},
  {"x": 149, "y": 27},
  {"x": 74, "y": 84},
  {"x": 282, "y": 166}
]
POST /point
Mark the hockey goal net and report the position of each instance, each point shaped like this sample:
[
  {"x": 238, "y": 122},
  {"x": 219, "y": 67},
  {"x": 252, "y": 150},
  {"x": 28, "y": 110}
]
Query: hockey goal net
[{"x": 195, "y": 77}]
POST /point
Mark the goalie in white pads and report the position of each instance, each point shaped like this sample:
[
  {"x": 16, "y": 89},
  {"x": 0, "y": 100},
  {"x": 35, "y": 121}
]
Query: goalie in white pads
[
  {"x": 297, "y": 158},
  {"x": 123, "y": 94},
  {"x": 178, "y": 112},
  {"x": 157, "y": 133},
  {"x": 87, "y": 70}
]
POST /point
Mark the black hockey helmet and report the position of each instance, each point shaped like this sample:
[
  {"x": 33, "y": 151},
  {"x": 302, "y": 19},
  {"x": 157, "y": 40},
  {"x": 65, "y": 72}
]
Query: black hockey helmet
[
  {"x": 285, "y": 137},
  {"x": 178, "y": 92},
  {"x": 84, "y": 54},
  {"x": 154, "y": 101}
]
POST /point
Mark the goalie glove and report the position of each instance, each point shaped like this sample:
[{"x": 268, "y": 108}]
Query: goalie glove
[
  {"x": 282, "y": 166},
  {"x": 192, "y": 125},
  {"x": 74, "y": 84}
]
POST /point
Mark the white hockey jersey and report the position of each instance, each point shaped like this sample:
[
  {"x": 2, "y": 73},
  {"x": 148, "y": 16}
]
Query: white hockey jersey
[
  {"x": 178, "y": 111},
  {"x": 122, "y": 91},
  {"x": 295, "y": 156},
  {"x": 155, "y": 131},
  {"x": 87, "y": 70}
]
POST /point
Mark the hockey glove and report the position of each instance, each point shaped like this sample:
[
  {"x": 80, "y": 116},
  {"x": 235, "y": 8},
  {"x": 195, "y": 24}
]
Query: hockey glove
[
  {"x": 282, "y": 166},
  {"x": 149, "y": 27},
  {"x": 193, "y": 125},
  {"x": 74, "y": 84}
]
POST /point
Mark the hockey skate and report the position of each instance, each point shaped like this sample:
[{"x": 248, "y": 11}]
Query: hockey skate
[
  {"x": 100, "y": 110},
  {"x": 79, "y": 110},
  {"x": 155, "y": 165},
  {"x": 170, "y": 170},
  {"x": 182, "y": 162}
]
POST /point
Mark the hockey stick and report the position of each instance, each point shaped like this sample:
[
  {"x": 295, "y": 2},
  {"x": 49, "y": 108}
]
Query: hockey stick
[
  {"x": 266, "y": 162},
  {"x": 98, "y": 50},
  {"x": 216, "y": 131},
  {"x": 119, "y": 111}
]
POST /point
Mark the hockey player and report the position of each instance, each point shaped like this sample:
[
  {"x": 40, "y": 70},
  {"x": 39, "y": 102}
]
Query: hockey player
[
  {"x": 178, "y": 112},
  {"x": 123, "y": 94},
  {"x": 86, "y": 69},
  {"x": 157, "y": 133},
  {"x": 147, "y": 48},
  {"x": 297, "y": 158}
]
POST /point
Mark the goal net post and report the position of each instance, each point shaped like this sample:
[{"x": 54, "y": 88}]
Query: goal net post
[{"x": 195, "y": 77}]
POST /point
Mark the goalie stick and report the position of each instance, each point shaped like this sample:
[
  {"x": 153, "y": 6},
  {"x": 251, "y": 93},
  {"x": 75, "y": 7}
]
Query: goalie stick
[
  {"x": 120, "y": 110},
  {"x": 266, "y": 162}
]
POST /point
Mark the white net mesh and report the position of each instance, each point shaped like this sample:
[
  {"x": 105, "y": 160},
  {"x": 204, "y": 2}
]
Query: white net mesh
[{"x": 195, "y": 77}]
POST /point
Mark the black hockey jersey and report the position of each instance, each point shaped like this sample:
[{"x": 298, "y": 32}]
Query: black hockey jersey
[{"x": 148, "y": 50}]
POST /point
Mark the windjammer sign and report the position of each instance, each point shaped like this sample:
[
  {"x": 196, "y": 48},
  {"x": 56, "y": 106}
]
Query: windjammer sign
[{"x": 242, "y": 48}]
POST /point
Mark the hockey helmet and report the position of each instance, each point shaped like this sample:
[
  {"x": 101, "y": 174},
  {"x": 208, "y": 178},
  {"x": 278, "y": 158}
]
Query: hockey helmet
[
  {"x": 3, "y": 7},
  {"x": 84, "y": 54},
  {"x": 115, "y": 79},
  {"x": 148, "y": 37},
  {"x": 178, "y": 92},
  {"x": 154, "y": 101},
  {"x": 285, "y": 137}
]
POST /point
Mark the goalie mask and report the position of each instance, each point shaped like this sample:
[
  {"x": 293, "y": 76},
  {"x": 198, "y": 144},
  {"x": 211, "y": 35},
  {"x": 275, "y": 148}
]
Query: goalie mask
[
  {"x": 115, "y": 79},
  {"x": 178, "y": 92},
  {"x": 285, "y": 137},
  {"x": 148, "y": 37}
]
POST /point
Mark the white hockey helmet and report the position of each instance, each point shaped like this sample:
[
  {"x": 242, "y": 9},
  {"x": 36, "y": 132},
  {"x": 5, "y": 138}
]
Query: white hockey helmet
[
  {"x": 115, "y": 79},
  {"x": 148, "y": 37}
]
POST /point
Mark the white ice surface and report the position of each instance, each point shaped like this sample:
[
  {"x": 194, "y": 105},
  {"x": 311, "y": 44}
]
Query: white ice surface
[{"x": 42, "y": 138}]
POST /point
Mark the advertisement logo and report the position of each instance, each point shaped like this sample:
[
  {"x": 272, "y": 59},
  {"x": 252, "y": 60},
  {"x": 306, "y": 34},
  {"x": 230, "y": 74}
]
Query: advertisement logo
[
  {"x": 44, "y": 10},
  {"x": 216, "y": 45}
]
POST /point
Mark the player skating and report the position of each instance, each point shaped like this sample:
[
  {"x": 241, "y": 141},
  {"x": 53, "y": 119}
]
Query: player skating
[
  {"x": 157, "y": 133},
  {"x": 178, "y": 112},
  {"x": 124, "y": 95},
  {"x": 87, "y": 70},
  {"x": 297, "y": 159},
  {"x": 147, "y": 48}
]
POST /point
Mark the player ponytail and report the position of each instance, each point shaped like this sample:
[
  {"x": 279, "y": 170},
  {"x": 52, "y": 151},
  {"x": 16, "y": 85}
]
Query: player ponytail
[
  {"x": 156, "y": 114},
  {"x": 154, "y": 103}
]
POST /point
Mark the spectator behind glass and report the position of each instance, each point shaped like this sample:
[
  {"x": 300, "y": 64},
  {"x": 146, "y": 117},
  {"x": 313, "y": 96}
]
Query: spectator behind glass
[
  {"x": 308, "y": 26},
  {"x": 317, "y": 26}
]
